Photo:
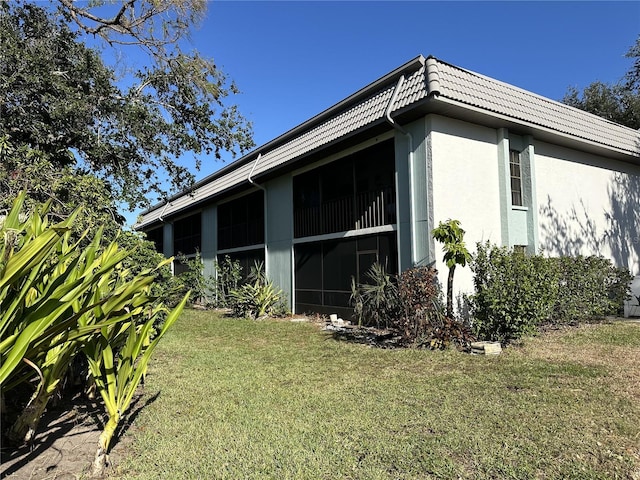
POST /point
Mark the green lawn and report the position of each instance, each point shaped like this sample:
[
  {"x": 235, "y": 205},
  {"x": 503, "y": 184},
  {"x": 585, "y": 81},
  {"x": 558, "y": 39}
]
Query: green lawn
[{"x": 281, "y": 400}]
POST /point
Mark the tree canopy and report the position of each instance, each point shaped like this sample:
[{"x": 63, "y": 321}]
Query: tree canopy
[
  {"x": 619, "y": 102},
  {"x": 66, "y": 119}
]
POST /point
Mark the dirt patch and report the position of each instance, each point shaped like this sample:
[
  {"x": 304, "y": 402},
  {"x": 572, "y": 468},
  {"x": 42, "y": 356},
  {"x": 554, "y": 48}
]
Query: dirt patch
[{"x": 66, "y": 444}]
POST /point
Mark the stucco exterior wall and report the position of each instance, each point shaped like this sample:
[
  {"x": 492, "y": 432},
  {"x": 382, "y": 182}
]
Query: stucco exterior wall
[
  {"x": 464, "y": 165},
  {"x": 588, "y": 205}
]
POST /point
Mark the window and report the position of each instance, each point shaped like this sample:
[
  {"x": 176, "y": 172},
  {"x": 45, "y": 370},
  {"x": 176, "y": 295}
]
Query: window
[
  {"x": 187, "y": 235},
  {"x": 516, "y": 178},
  {"x": 241, "y": 222}
]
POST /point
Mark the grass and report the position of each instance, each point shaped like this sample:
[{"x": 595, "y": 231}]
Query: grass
[{"x": 280, "y": 400}]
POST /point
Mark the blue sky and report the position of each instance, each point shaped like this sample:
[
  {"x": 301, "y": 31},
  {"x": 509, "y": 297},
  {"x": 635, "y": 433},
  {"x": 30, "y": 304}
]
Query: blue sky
[{"x": 292, "y": 60}]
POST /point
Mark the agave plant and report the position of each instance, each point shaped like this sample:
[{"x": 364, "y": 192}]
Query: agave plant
[{"x": 257, "y": 298}]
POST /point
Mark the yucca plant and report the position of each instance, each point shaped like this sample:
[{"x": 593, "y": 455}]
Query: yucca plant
[
  {"x": 376, "y": 303},
  {"x": 118, "y": 358},
  {"x": 52, "y": 297},
  {"x": 257, "y": 298},
  {"x": 27, "y": 274}
]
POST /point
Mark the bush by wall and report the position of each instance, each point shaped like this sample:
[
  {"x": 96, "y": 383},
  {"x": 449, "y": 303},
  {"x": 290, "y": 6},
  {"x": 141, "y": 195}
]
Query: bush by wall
[
  {"x": 515, "y": 293},
  {"x": 410, "y": 304},
  {"x": 257, "y": 298},
  {"x": 588, "y": 288}
]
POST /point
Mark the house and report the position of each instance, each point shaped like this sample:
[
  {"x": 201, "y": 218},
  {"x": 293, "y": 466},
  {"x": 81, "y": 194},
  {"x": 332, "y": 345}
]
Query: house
[{"x": 369, "y": 178}]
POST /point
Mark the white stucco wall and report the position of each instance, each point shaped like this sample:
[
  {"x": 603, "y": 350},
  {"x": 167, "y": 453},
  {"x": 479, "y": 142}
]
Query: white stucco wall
[
  {"x": 588, "y": 205},
  {"x": 465, "y": 187}
]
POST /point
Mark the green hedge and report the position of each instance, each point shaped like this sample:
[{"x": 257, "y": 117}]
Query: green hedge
[{"x": 515, "y": 293}]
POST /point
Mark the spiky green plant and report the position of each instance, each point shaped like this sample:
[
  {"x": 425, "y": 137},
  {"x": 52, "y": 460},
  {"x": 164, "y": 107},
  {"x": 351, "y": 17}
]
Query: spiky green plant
[
  {"x": 258, "y": 298},
  {"x": 118, "y": 357},
  {"x": 52, "y": 298}
]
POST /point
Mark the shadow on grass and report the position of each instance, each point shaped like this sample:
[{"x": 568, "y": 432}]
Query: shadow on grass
[{"x": 372, "y": 337}]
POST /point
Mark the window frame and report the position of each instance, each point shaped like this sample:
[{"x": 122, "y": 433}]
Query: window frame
[{"x": 515, "y": 176}]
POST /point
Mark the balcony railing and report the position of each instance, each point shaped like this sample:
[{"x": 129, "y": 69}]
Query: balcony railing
[{"x": 353, "y": 212}]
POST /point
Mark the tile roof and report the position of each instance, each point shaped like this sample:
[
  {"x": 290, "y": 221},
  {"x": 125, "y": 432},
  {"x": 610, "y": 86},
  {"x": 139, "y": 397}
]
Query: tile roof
[
  {"x": 447, "y": 83},
  {"x": 494, "y": 96}
]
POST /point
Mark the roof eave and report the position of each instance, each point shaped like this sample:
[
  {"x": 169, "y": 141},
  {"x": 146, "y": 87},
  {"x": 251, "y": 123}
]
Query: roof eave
[{"x": 356, "y": 97}]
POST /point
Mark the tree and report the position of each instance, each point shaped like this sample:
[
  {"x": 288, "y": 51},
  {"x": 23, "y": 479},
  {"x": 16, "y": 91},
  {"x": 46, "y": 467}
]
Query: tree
[
  {"x": 455, "y": 253},
  {"x": 619, "y": 103},
  {"x": 61, "y": 104}
]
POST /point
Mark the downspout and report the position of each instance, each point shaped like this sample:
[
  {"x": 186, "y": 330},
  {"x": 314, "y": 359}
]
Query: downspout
[
  {"x": 161, "y": 217},
  {"x": 390, "y": 120},
  {"x": 252, "y": 182},
  {"x": 255, "y": 164}
]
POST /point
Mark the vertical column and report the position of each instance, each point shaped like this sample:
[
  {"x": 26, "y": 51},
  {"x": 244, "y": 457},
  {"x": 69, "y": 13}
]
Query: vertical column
[
  {"x": 422, "y": 226},
  {"x": 504, "y": 183},
  {"x": 531, "y": 199},
  {"x": 414, "y": 197},
  {"x": 167, "y": 241},
  {"x": 209, "y": 241},
  {"x": 403, "y": 202},
  {"x": 279, "y": 234}
]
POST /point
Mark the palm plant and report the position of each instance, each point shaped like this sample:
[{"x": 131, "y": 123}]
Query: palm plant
[{"x": 376, "y": 302}]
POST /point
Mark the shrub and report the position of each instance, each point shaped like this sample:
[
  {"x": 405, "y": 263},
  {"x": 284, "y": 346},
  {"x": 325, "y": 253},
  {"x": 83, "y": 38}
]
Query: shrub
[
  {"x": 227, "y": 277},
  {"x": 424, "y": 322},
  {"x": 410, "y": 304},
  {"x": 376, "y": 304},
  {"x": 589, "y": 287},
  {"x": 257, "y": 298},
  {"x": 421, "y": 299},
  {"x": 514, "y": 292},
  {"x": 192, "y": 278},
  {"x": 144, "y": 256}
]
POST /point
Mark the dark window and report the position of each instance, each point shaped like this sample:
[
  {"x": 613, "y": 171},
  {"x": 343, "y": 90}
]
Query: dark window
[
  {"x": 179, "y": 267},
  {"x": 309, "y": 266},
  {"x": 157, "y": 237},
  {"x": 187, "y": 235},
  {"x": 324, "y": 270},
  {"x": 516, "y": 178},
  {"x": 355, "y": 192},
  {"x": 241, "y": 222}
]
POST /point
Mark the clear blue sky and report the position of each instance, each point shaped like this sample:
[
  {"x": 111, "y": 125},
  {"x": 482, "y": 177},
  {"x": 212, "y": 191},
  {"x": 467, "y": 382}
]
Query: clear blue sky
[{"x": 292, "y": 60}]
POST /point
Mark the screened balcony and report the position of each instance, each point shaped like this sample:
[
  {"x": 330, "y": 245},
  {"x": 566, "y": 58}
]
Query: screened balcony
[
  {"x": 352, "y": 193},
  {"x": 350, "y": 212}
]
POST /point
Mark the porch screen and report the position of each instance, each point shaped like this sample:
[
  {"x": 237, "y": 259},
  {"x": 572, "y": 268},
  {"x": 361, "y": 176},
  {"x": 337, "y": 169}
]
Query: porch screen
[
  {"x": 241, "y": 222},
  {"x": 324, "y": 270},
  {"x": 187, "y": 235},
  {"x": 352, "y": 193}
]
